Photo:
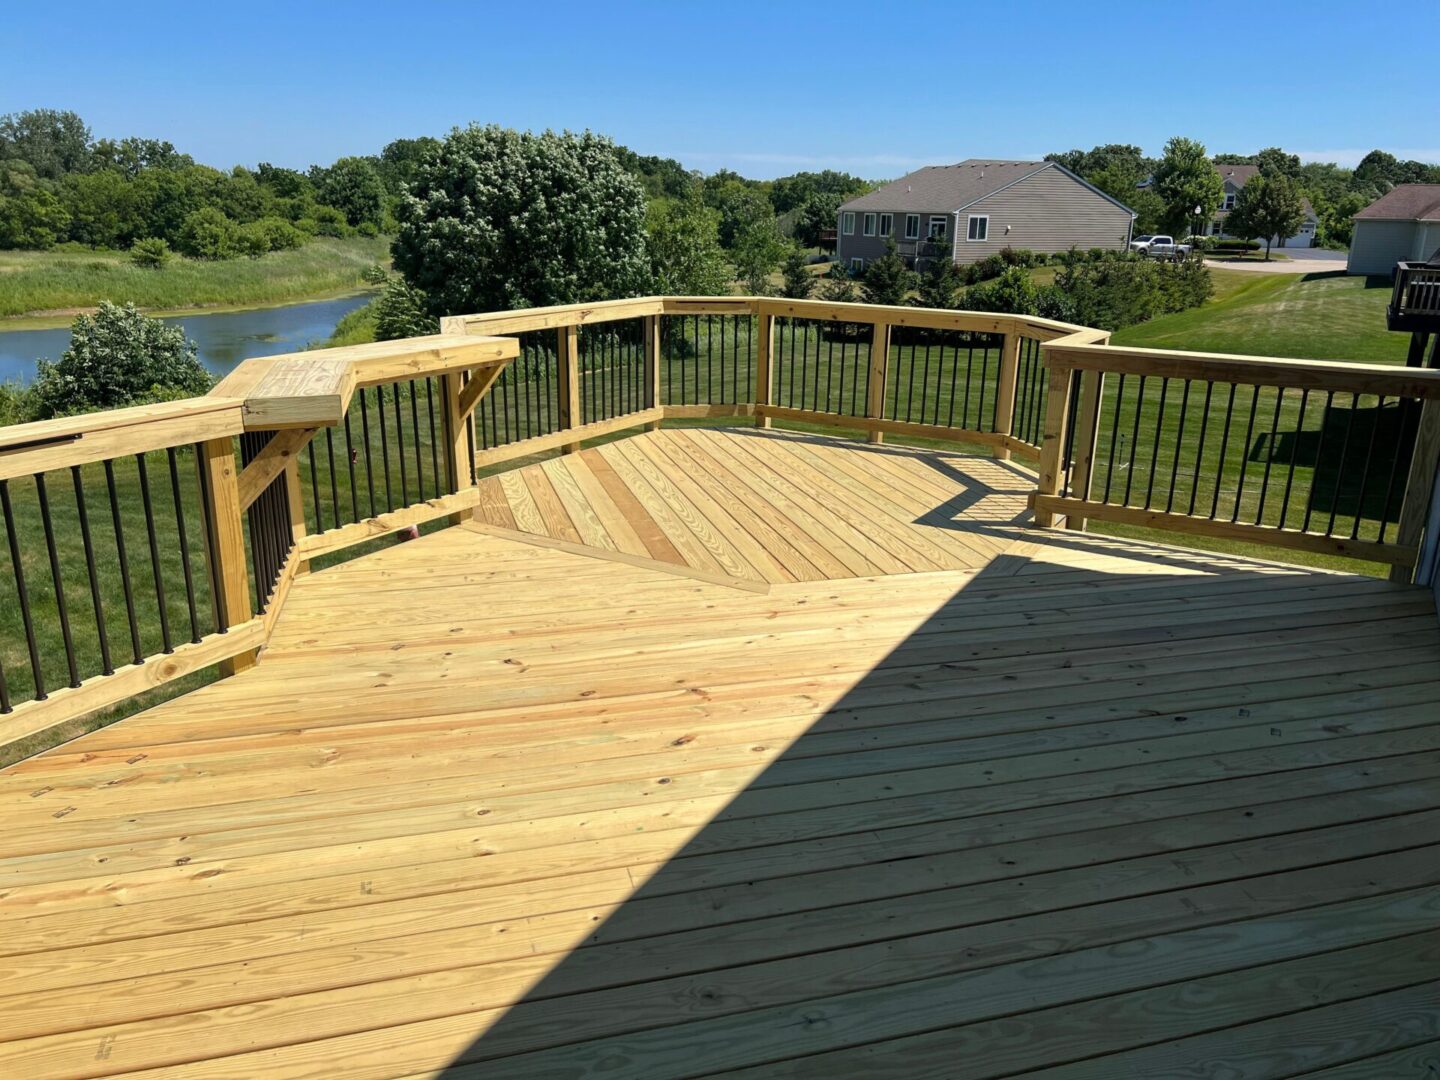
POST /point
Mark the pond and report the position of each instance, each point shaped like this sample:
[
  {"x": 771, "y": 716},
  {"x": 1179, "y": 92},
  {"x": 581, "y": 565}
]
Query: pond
[{"x": 224, "y": 338}]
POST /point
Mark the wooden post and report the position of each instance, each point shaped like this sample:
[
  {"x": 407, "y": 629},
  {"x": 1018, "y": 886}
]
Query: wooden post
[
  {"x": 764, "y": 348},
  {"x": 462, "y": 464},
  {"x": 652, "y": 367},
  {"x": 879, "y": 373},
  {"x": 228, "y": 539},
  {"x": 1005, "y": 391},
  {"x": 1052, "y": 449},
  {"x": 567, "y": 344},
  {"x": 1419, "y": 486},
  {"x": 1086, "y": 435}
]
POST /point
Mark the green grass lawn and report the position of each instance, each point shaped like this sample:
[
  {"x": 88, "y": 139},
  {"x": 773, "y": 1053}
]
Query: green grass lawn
[{"x": 39, "y": 288}]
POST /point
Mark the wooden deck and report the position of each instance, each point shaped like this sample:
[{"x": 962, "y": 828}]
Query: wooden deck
[{"x": 491, "y": 808}]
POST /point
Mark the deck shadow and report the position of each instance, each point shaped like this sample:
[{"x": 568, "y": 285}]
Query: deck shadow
[{"x": 883, "y": 849}]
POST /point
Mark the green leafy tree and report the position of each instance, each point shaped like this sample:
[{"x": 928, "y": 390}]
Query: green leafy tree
[
  {"x": 401, "y": 159},
  {"x": 789, "y": 192},
  {"x": 799, "y": 283},
  {"x": 505, "y": 219},
  {"x": 1267, "y": 207},
  {"x": 839, "y": 286},
  {"x": 55, "y": 142},
  {"x": 132, "y": 156},
  {"x": 684, "y": 246},
  {"x": 758, "y": 249},
  {"x": 118, "y": 357},
  {"x": 816, "y": 214},
  {"x": 103, "y": 209},
  {"x": 31, "y": 215},
  {"x": 940, "y": 281},
  {"x": 1337, "y": 217},
  {"x": 1276, "y": 162},
  {"x": 209, "y": 234},
  {"x": 1014, "y": 292},
  {"x": 353, "y": 186},
  {"x": 739, "y": 206},
  {"x": 400, "y": 312},
  {"x": 1186, "y": 179},
  {"x": 887, "y": 279},
  {"x": 151, "y": 253}
]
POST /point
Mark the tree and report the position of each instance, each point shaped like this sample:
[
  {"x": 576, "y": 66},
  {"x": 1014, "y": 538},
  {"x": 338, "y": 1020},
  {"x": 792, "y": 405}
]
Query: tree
[
  {"x": 758, "y": 249},
  {"x": 353, "y": 187},
  {"x": 816, "y": 214},
  {"x": 400, "y": 312},
  {"x": 209, "y": 234},
  {"x": 939, "y": 281},
  {"x": 118, "y": 357},
  {"x": 887, "y": 279},
  {"x": 31, "y": 216},
  {"x": 1276, "y": 162},
  {"x": 1014, "y": 292},
  {"x": 685, "y": 255},
  {"x": 1267, "y": 207},
  {"x": 799, "y": 283},
  {"x": 1185, "y": 179},
  {"x": 839, "y": 287},
  {"x": 505, "y": 219},
  {"x": 789, "y": 192},
  {"x": 132, "y": 156},
  {"x": 739, "y": 207},
  {"x": 400, "y": 160},
  {"x": 151, "y": 253},
  {"x": 55, "y": 142}
]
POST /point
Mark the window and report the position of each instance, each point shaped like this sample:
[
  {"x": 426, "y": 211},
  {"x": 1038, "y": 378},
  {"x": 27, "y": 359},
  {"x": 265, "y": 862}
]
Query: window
[
  {"x": 857, "y": 265},
  {"x": 938, "y": 223},
  {"x": 847, "y": 223},
  {"x": 887, "y": 224},
  {"x": 869, "y": 224},
  {"x": 1216, "y": 227},
  {"x": 912, "y": 226},
  {"x": 1229, "y": 201},
  {"x": 979, "y": 227}
]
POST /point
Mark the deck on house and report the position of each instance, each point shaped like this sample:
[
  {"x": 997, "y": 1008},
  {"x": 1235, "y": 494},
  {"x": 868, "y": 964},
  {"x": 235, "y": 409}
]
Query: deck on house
[{"x": 985, "y": 802}]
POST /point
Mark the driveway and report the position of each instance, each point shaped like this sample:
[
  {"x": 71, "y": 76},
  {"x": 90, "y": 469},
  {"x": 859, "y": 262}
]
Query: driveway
[{"x": 1297, "y": 261}]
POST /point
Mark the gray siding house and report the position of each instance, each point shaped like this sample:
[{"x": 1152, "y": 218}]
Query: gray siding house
[
  {"x": 978, "y": 207},
  {"x": 1403, "y": 225},
  {"x": 1236, "y": 177}
]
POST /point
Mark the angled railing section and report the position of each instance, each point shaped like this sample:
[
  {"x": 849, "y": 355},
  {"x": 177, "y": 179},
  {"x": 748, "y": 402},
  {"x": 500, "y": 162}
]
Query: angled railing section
[{"x": 142, "y": 544}]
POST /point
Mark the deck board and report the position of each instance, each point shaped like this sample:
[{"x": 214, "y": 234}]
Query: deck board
[{"x": 1050, "y": 803}]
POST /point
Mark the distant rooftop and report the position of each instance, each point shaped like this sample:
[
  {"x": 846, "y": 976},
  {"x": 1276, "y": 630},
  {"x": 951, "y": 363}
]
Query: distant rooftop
[
  {"x": 1406, "y": 202},
  {"x": 946, "y": 187}
]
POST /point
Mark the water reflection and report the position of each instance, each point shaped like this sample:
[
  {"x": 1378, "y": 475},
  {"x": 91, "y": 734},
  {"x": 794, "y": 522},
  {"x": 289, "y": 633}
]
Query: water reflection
[{"x": 223, "y": 338}]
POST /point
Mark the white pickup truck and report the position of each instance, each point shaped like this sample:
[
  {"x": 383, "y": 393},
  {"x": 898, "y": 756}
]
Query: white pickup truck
[{"x": 1159, "y": 247}]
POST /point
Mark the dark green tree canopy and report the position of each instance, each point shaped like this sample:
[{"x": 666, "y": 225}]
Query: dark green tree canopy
[
  {"x": 887, "y": 279},
  {"x": 684, "y": 247},
  {"x": 799, "y": 283},
  {"x": 1268, "y": 206},
  {"x": 54, "y": 141},
  {"x": 1185, "y": 179},
  {"x": 505, "y": 219},
  {"x": 351, "y": 185}
]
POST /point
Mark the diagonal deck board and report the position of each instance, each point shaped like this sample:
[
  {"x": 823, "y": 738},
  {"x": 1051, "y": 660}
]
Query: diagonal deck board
[{"x": 487, "y": 808}]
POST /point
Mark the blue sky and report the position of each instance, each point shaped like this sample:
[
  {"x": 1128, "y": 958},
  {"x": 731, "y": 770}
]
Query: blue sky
[{"x": 763, "y": 88}]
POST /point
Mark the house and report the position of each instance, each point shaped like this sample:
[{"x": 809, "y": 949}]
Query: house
[
  {"x": 1235, "y": 178},
  {"x": 1401, "y": 225},
  {"x": 976, "y": 208}
]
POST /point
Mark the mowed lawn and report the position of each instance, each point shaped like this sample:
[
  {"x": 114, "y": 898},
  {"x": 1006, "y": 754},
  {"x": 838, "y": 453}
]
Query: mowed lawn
[{"x": 1328, "y": 316}]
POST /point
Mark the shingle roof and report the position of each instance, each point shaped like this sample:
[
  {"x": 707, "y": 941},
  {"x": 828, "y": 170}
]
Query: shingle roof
[
  {"x": 1240, "y": 175},
  {"x": 946, "y": 187},
  {"x": 1406, "y": 202}
]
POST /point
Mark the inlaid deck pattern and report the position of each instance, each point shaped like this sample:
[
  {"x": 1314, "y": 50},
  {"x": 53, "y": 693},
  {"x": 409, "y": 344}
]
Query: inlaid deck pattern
[{"x": 487, "y": 808}]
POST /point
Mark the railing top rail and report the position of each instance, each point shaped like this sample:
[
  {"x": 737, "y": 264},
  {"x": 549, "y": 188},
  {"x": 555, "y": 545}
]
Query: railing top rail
[
  {"x": 1250, "y": 370},
  {"x": 313, "y": 389}
]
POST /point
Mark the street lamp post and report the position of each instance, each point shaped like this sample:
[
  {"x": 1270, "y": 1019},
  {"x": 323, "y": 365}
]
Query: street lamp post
[{"x": 1196, "y": 231}]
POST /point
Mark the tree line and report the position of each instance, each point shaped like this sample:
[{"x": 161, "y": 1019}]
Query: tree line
[{"x": 1184, "y": 177}]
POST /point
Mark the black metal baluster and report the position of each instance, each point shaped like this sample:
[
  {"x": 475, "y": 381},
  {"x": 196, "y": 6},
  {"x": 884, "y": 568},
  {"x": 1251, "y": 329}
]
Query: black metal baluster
[
  {"x": 154, "y": 554},
  {"x": 1340, "y": 472},
  {"x": 365, "y": 435},
  {"x": 1159, "y": 435},
  {"x": 1270, "y": 452},
  {"x": 184, "y": 545},
  {"x": 1114, "y": 436},
  {"x": 1408, "y": 408},
  {"x": 1319, "y": 458},
  {"x": 350, "y": 467},
  {"x": 969, "y": 373},
  {"x": 400, "y": 446},
  {"x": 415, "y": 433},
  {"x": 212, "y": 559},
  {"x": 136, "y": 651},
  {"x": 1245, "y": 453},
  {"x": 330, "y": 460},
  {"x": 23, "y": 594},
  {"x": 1294, "y": 453},
  {"x": 61, "y": 608},
  {"x": 384, "y": 446},
  {"x": 1134, "y": 440},
  {"x": 1200, "y": 448},
  {"x": 1224, "y": 447},
  {"x": 1179, "y": 443},
  {"x": 434, "y": 444},
  {"x": 1365, "y": 469},
  {"x": 101, "y": 636},
  {"x": 315, "y": 489}
]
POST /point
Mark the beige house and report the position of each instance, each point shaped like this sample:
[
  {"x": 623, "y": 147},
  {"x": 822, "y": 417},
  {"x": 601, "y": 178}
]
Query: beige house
[
  {"x": 976, "y": 208},
  {"x": 1403, "y": 225}
]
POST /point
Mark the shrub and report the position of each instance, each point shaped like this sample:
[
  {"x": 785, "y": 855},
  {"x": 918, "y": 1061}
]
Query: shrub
[
  {"x": 799, "y": 282},
  {"x": 280, "y": 235},
  {"x": 329, "y": 222},
  {"x": 1013, "y": 292},
  {"x": 208, "y": 234},
  {"x": 250, "y": 239},
  {"x": 400, "y": 312},
  {"x": 367, "y": 229},
  {"x": 151, "y": 253},
  {"x": 17, "y": 403},
  {"x": 887, "y": 280},
  {"x": 1118, "y": 292},
  {"x": 118, "y": 357},
  {"x": 374, "y": 275}
]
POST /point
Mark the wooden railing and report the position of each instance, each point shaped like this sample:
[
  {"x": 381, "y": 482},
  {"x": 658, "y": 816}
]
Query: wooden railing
[
  {"x": 142, "y": 544},
  {"x": 1415, "y": 298},
  {"x": 1301, "y": 454}
]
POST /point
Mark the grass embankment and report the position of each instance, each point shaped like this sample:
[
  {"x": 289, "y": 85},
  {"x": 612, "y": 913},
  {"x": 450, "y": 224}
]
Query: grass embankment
[{"x": 50, "y": 287}]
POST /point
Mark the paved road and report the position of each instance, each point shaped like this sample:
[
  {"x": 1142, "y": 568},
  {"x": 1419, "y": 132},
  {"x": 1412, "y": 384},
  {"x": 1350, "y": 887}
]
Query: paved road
[{"x": 1297, "y": 261}]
